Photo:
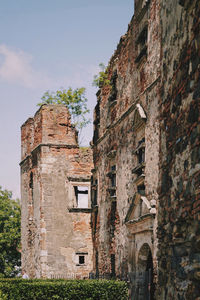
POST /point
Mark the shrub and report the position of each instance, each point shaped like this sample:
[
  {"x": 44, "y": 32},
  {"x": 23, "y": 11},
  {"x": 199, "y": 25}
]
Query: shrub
[{"x": 20, "y": 289}]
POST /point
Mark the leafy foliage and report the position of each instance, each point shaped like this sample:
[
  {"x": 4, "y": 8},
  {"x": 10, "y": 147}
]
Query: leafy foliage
[
  {"x": 9, "y": 234},
  {"x": 19, "y": 289},
  {"x": 101, "y": 79},
  {"x": 75, "y": 100}
]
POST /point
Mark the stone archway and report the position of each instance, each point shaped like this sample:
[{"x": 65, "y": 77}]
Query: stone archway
[{"x": 144, "y": 277}]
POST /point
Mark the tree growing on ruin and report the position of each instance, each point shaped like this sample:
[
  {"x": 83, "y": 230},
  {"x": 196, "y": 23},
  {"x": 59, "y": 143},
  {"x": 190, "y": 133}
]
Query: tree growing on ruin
[
  {"x": 101, "y": 79},
  {"x": 75, "y": 101},
  {"x": 10, "y": 234}
]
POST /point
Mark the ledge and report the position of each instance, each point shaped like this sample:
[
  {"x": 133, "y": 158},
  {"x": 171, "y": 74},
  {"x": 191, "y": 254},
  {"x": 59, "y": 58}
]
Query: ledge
[
  {"x": 141, "y": 218},
  {"x": 142, "y": 145},
  {"x": 78, "y": 179},
  {"x": 79, "y": 210},
  {"x": 138, "y": 167}
]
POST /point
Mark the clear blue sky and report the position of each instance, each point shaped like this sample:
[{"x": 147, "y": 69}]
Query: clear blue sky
[{"x": 45, "y": 45}]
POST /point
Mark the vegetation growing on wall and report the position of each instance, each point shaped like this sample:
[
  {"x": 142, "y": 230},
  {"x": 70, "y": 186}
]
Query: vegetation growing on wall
[
  {"x": 75, "y": 101},
  {"x": 101, "y": 79}
]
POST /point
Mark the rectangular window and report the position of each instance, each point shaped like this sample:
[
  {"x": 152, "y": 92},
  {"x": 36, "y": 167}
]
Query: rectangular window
[
  {"x": 81, "y": 193},
  {"x": 81, "y": 260},
  {"x": 141, "y": 189},
  {"x": 141, "y": 155},
  {"x": 113, "y": 176}
]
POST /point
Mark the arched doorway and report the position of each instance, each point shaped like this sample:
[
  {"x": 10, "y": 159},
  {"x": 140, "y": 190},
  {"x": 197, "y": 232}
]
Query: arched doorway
[{"x": 144, "y": 277}]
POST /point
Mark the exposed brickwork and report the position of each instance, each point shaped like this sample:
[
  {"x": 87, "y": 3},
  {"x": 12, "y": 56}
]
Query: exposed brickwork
[
  {"x": 55, "y": 232},
  {"x": 153, "y": 102},
  {"x": 179, "y": 214},
  {"x": 127, "y": 121}
]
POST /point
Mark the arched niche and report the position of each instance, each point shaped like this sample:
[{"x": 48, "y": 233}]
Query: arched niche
[{"x": 145, "y": 282}]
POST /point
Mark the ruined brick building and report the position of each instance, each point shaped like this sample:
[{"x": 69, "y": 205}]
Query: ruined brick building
[
  {"x": 55, "y": 197},
  {"x": 145, "y": 183},
  {"x": 145, "y": 205}
]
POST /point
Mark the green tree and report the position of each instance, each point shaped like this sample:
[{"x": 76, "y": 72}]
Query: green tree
[
  {"x": 76, "y": 102},
  {"x": 10, "y": 234},
  {"x": 101, "y": 79}
]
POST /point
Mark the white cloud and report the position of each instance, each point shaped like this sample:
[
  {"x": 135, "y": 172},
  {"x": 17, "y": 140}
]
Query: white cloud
[{"x": 16, "y": 67}]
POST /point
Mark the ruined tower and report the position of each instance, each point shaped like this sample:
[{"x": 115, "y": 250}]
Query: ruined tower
[{"x": 55, "y": 197}]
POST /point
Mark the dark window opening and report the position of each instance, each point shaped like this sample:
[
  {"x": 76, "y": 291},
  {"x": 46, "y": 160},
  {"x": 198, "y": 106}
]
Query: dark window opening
[
  {"x": 141, "y": 189},
  {"x": 31, "y": 188},
  {"x": 113, "y": 193},
  {"x": 113, "y": 176},
  {"x": 113, "y": 211},
  {"x": 113, "y": 168},
  {"x": 142, "y": 44},
  {"x": 141, "y": 155},
  {"x": 31, "y": 181},
  {"x": 113, "y": 83},
  {"x": 95, "y": 192},
  {"x": 140, "y": 208},
  {"x": 95, "y": 196},
  {"x": 81, "y": 260},
  {"x": 34, "y": 158},
  {"x": 112, "y": 265},
  {"x": 96, "y": 123},
  {"x": 113, "y": 180}
]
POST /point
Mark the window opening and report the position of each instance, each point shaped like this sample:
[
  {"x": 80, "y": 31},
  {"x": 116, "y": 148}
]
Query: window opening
[
  {"x": 31, "y": 188},
  {"x": 81, "y": 193},
  {"x": 140, "y": 207},
  {"x": 81, "y": 259},
  {"x": 141, "y": 155},
  {"x": 141, "y": 189},
  {"x": 31, "y": 181},
  {"x": 95, "y": 192},
  {"x": 113, "y": 217},
  {"x": 113, "y": 83},
  {"x": 113, "y": 176}
]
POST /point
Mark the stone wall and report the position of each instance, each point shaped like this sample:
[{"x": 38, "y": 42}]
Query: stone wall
[
  {"x": 179, "y": 200},
  {"x": 126, "y": 123},
  {"x": 56, "y": 233}
]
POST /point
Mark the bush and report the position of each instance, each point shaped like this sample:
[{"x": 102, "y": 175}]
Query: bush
[{"x": 20, "y": 289}]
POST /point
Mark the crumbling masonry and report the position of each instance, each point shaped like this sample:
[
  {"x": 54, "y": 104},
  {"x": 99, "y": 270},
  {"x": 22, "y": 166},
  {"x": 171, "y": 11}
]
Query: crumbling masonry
[
  {"x": 55, "y": 185},
  {"x": 145, "y": 203},
  {"x": 145, "y": 183}
]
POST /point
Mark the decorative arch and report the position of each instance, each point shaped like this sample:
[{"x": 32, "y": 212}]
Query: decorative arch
[
  {"x": 144, "y": 256},
  {"x": 145, "y": 273}
]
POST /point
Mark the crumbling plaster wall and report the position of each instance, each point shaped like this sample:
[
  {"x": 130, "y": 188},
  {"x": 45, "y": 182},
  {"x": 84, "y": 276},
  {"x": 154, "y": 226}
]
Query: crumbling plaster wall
[
  {"x": 53, "y": 236},
  {"x": 114, "y": 131},
  {"x": 179, "y": 205}
]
